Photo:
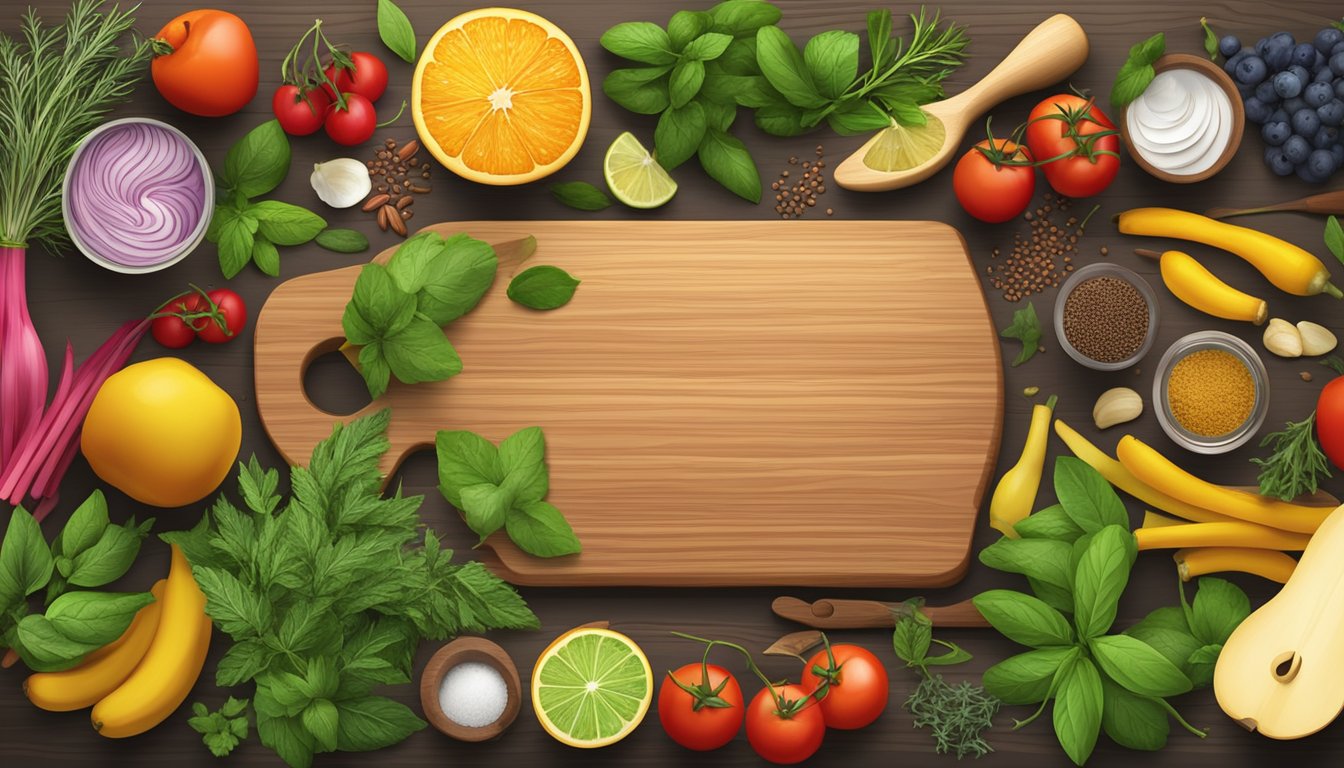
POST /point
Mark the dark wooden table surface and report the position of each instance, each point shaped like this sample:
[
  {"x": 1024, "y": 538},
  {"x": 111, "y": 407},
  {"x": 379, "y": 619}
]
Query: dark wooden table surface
[{"x": 72, "y": 298}]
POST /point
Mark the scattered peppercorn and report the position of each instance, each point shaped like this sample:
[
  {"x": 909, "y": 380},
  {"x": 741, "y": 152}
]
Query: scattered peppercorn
[
  {"x": 796, "y": 196},
  {"x": 392, "y": 198},
  {"x": 1042, "y": 258},
  {"x": 1106, "y": 319}
]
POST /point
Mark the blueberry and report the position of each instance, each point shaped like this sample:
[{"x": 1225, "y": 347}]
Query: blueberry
[
  {"x": 1325, "y": 137},
  {"x": 1328, "y": 38},
  {"x": 1306, "y": 123},
  {"x": 1230, "y": 64},
  {"x": 1265, "y": 92},
  {"x": 1296, "y": 149},
  {"x": 1277, "y": 161},
  {"x": 1258, "y": 111},
  {"x": 1318, "y": 62},
  {"x": 1321, "y": 163},
  {"x": 1294, "y": 105},
  {"x": 1337, "y": 151},
  {"x": 1337, "y": 64},
  {"x": 1275, "y": 133},
  {"x": 1229, "y": 45},
  {"x": 1336, "y": 48},
  {"x": 1278, "y": 56},
  {"x": 1301, "y": 72},
  {"x": 1305, "y": 173},
  {"x": 1286, "y": 84},
  {"x": 1303, "y": 54},
  {"x": 1280, "y": 115},
  {"x": 1324, "y": 75},
  {"x": 1283, "y": 38},
  {"x": 1261, "y": 46},
  {"x": 1251, "y": 70},
  {"x": 1331, "y": 113},
  {"x": 1317, "y": 94}
]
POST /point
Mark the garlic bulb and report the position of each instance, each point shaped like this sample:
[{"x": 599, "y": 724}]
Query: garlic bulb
[{"x": 341, "y": 183}]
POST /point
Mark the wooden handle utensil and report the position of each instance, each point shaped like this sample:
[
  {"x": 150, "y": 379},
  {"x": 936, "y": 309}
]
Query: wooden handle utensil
[
  {"x": 871, "y": 614},
  {"x": 1327, "y": 203}
]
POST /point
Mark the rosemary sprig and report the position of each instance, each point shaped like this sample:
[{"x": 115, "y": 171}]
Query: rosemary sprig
[
  {"x": 58, "y": 84},
  {"x": 1293, "y": 466}
]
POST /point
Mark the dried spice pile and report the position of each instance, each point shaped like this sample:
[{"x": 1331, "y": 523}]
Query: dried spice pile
[
  {"x": 1042, "y": 258},
  {"x": 794, "y": 194},
  {"x": 398, "y": 174},
  {"x": 1106, "y": 319}
]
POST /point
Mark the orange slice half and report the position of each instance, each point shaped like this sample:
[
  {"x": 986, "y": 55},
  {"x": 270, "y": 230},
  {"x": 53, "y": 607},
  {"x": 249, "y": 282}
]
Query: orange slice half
[{"x": 501, "y": 96}]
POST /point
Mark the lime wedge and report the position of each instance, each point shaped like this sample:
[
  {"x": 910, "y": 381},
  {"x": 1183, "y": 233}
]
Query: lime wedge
[
  {"x": 591, "y": 687},
  {"x": 634, "y": 177},
  {"x": 902, "y": 147}
]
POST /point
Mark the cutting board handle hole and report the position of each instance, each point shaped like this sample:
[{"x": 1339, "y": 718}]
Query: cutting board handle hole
[
  {"x": 1286, "y": 666},
  {"x": 332, "y": 384}
]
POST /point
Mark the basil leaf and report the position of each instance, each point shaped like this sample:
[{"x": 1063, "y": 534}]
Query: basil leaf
[
  {"x": 687, "y": 77},
  {"x": 1138, "y": 666},
  {"x": 1077, "y": 715},
  {"x": 879, "y": 38},
  {"x": 540, "y": 530},
  {"x": 580, "y": 195},
  {"x": 1042, "y": 559},
  {"x": 235, "y": 245},
  {"x": 223, "y": 215},
  {"x": 1026, "y": 678},
  {"x": 1100, "y": 577},
  {"x": 719, "y": 116},
  {"x": 741, "y": 17},
  {"x": 1049, "y": 523},
  {"x": 1150, "y": 50},
  {"x": 1025, "y": 327},
  {"x": 1174, "y": 645},
  {"x": 542, "y": 287},
  {"x": 285, "y": 224},
  {"x": 378, "y": 308},
  {"x": 678, "y": 135},
  {"x": 1334, "y": 237},
  {"x": 727, "y": 161},
  {"x": 832, "y": 59},
  {"x": 1024, "y": 619},
  {"x": 26, "y": 563},
  {"x": 343, "y": 240},
  {"x": 374, "y": 722},
  {"x": 911, "y": 639},
  {"x": 707, "y": 47},
  {"x": 744, "y": 90},
  {"x": 447, "y": 277},
  {"x": 783, "y": 66},
  {"x": 258, "y": 162},
  {"x": 639, "y": 41},
  {"x": 1218, "y": 608},
  {"x": 110, "y": 557},
  {"x": 465, "y": 459},
  {"x": 420, "y": 352},
  {"x": 1130, "y": 83},
  {"x": 321, "y": 720},
  {"x": 1130, "y": 720},
  {"x": 955, "y": 655},
  {"x": 84, "y": 528},
  {"x": 1059, "y": 598},
  {"x": 43, "y": 648},
  {"x": 1199, "y": 667},
  {"x": 685, "y": 26},
  {"x": 641, "y": 90},
  {"x": 375, "y": 369},
  {"x": 97, "y": 618},
  {"x": 1167, "y": 617},
  {"x": 857, "y": 117},
  {"x": 286, "y": 735},
  {"x": 780, "y": 119},
  {"x": 910, "y": 113},
  {"x": 522, "y": 459},
  {"x": 739, "y": 58},
  {"x": 395, "y": 30},
  {"x": 1087, "y": 497}
]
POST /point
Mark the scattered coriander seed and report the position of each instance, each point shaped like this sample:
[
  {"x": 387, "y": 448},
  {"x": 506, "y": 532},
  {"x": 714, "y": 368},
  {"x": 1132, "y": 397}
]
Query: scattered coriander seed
[
  {"x": 1306, "y": 375},
  {"x": 1031, "y": 391}
]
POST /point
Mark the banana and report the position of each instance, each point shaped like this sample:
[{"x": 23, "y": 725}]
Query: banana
[
  {"x": 1195, "y": 285},
  {"x": 161, "y": 682},
  {"x": 103, "y": 670}
]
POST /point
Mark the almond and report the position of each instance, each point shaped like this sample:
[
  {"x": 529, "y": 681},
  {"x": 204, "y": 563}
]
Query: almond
[
  {"x": 375, "y": 202},
  {"x": 405, "y": 201},
  {"x": 407, "y": 150},
  {"x": 393, "y": 219},
  {"x": 382, "y": 218}
]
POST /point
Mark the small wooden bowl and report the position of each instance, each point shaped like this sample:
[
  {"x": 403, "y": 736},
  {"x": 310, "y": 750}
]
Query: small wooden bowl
[
  {"x": 462, "y": 650},
  {"x": 1222, "y": 80}
]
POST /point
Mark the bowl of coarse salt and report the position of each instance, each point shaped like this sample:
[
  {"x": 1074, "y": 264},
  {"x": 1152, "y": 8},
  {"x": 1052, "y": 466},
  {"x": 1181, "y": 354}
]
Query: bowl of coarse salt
[{"x": 470, "y": 689}]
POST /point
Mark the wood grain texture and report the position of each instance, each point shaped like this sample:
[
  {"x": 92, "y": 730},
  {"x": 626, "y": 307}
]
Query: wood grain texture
[{"x": 734, "y": 376}]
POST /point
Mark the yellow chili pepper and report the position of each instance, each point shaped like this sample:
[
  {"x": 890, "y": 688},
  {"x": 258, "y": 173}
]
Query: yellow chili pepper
[
  {"x": 1015, "y": 494},
  {"x": 1266, "y": 563}
]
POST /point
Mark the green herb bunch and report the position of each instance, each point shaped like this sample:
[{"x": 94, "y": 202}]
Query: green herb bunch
[
  {"x": 1077, "y": 557},
  {"x": 223, "y": 729},
  {"x": 1296, "y": 463},
  {"x": 326, "y": 597},
  {"x": 88, "y": 552}
]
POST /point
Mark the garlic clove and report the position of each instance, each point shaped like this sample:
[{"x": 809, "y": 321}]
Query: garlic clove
[
  {"x": 1316, "y": 338},
  {"x": 341, "y": 183},
  {"x": 1282, "y": 338},
  {"x": 1117, "y": 406}
]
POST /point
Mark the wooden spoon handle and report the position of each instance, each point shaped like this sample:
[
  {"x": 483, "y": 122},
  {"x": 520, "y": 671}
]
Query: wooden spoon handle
[
  {"x": 870, "y": 614},
  {"x": 1051, "y": 52},
  {"x": 1330, "y": 203}
]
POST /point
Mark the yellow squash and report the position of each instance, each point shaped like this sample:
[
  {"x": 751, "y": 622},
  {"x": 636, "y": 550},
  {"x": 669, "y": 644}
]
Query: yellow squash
[
  {"x": 103, "y": 670},
  {"x": 161, "y": 682},
  {"x": 1190, "y": 282},
  {"x": 1287, "y": 266},
  {"x": 1234, "y": 534},
  {"x": 1015, "y": 494},
  {"x": 1265, "y": 563}
]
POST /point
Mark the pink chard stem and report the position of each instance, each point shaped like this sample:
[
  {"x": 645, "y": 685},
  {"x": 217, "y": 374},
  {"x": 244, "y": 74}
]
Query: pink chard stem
[{"x": 23, "y": 363}]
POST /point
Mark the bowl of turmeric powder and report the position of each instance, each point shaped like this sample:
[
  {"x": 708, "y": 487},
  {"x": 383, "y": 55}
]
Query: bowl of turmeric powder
[{"x": 1211, "y": 392}]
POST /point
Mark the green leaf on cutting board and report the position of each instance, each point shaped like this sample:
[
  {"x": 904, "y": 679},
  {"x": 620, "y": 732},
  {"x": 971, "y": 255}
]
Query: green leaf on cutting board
[{"x": 542, "y": 287}]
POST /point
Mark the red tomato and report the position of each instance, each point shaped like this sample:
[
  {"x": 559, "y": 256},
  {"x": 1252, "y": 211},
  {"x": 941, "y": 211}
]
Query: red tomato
[
  {"x": 857, "y": 691},
  {"x": 1056, "y": 127},
  {"x": 354, "y": 124},
  {"x": 210, "y": 64},
  {"x": 1330, "y": 421},
  {"x": 300, "y": 114},
  {"x": 780, "y": 739},
  {"x": 994, "y": 194},
  {"x": 233, "y": 309},
  {"x": 368, "y": 77},
  {"x": 710, "y": 726},
  {"x": 171, "y": 330}
]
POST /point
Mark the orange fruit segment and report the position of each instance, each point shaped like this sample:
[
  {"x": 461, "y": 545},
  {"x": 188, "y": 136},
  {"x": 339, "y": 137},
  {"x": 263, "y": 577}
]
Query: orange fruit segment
[{"x": 501, "y": 96}]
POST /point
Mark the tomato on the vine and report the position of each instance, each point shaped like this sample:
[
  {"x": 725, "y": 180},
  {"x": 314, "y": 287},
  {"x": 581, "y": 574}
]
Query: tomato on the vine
[
  {"x": 989, "y": 185},
  {"x": 700, "y": 708},
  {"x": 1077, "y": 143},
  {"x": 171, "y": 330},
  {"x": 232, "y": 312},
  {"x": 300, "y": 113},
  {"x": 785, "y": 734},
  {"x": 355, "y": 123},
  {"x": 366, "y": 76},
  {"x": 856, "y": 685}
]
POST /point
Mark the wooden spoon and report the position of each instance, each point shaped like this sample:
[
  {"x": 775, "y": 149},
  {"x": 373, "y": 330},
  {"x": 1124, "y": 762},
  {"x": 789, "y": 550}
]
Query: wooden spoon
[
  {"x": 1331, "y": 203},
  {"x": 870, "y": 614},
  {"x": 1049, "y": 53}
]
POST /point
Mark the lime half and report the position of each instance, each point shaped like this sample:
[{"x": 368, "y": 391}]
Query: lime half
[
  {"x": 633, "y": 176},
  {"x": 591, "y": 687},
  {"x": 902, "y": 147}
]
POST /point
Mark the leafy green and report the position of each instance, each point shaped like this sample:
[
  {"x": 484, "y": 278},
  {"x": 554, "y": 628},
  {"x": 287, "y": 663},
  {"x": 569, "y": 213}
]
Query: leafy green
[
  {"x": 503, "y": 488},
  {"x": 1137, "y": 71},
  {"x": 1024, "y": 619},
  {"x": 1334, "y": 237},
  {"x": 395, "y": 30},
  {"x": 258, "y": 162},
  {"x": 580, "y": 195},
  {"x": 1025, "y": 327},
  {"x": 1296, "y": 463},
  {"x": 542, "y": 287},
  {"x": 223, "y": 729},
  {"x": 1077, "y": 713},
  {"x": 1085, "y": 496},
  {"x": 326, "y": 597},
  {"x": 1334, "y": 363},
  {"x": 342, "y": 240},
  {"x": 1210, "y": 39}
]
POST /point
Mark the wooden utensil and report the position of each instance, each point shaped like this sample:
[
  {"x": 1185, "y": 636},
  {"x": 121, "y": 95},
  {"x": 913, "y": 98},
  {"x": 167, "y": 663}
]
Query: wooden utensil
[
  {"x": 461, "y": 651},
  {"x": 871, "y": 614},
  {"x": 1049, "y": 53},
  {"x": 1326, "y": 203},
  {"x": 715, "y": 393}
]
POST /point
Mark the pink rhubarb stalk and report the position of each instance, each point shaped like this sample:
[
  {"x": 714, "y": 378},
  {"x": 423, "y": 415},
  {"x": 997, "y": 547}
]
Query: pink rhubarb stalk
[{"x": 23, "y": 364}]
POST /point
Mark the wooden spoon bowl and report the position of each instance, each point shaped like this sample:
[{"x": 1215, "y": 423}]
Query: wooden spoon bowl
[{"x": 459, "y": 651}]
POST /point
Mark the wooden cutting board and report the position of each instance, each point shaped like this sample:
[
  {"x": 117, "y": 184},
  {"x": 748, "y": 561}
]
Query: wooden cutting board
[{"x": 807, "y": 403}]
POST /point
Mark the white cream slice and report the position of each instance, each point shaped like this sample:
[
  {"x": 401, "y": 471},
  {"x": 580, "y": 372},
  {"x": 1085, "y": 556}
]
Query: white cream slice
[{"x": 1181, "y": 123}]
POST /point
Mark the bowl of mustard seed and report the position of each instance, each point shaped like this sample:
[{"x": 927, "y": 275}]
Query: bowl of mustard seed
[
  {"x": 1211, "y": 392},
  {"x": 1106, "y": 317}
]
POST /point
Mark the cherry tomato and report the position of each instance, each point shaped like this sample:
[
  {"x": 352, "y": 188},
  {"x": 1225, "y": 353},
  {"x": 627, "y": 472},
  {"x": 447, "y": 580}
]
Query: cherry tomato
[
  {"x": 368, "y": 78},
  {"x": 354, "y": 124},
  {"x": 780, "y": 739},
  {"x": 1055, "y": 127},
  {"x": 210, "y": 67},
  {"x": 235, "y": 317},
  {"x": 172, "y": 331},
  {"x": 856, "y": 693},
  {"x": 711, "y": 725},
  {"x": 300, "y": 114},
  {"x": 994, "y": 194},
  {"x": 1330, "y": 421}
]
